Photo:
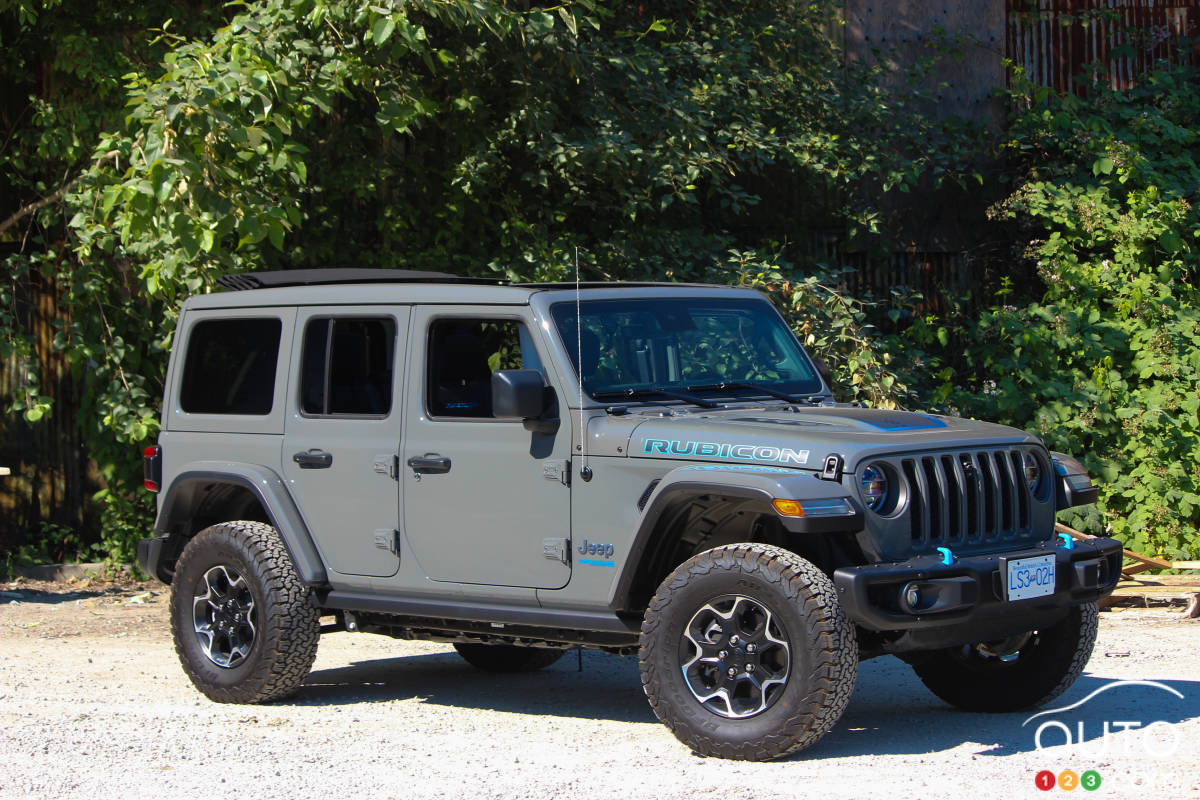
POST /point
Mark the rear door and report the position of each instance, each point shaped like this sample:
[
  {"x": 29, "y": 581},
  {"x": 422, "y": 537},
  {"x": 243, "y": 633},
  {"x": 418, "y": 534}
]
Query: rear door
[
  {"x": 485, "y": 499},
  {"x": 342, "y": 433}
]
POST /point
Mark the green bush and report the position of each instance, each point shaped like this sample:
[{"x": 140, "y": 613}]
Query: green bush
[
  {"x": 1106, "y": 363},
  {"x": 832, "y": 326}
]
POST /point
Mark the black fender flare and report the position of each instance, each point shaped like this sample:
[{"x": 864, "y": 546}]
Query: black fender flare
[
  {"x": 751, "y": 483},
  {"x": 177, "y": 501}
]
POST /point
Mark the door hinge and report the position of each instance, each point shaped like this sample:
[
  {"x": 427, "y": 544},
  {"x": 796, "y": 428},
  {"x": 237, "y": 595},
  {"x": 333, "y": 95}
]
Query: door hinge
[
  {"x": 388, "y": 539},
  {"x": 557, "y": 549},
  {"x": 557, "y": 471},
  {"x": 388, "y": 465}
]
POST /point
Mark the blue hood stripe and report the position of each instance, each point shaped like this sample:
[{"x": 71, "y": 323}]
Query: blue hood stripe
[{"x": 930, "y": 422}]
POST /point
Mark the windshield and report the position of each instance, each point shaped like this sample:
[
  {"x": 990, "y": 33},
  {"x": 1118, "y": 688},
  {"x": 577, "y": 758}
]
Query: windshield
[{"x": 639, "y": 347}]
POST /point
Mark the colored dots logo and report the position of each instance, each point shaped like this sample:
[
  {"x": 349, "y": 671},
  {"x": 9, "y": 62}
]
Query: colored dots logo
[{"x": 1067, "y": 780}]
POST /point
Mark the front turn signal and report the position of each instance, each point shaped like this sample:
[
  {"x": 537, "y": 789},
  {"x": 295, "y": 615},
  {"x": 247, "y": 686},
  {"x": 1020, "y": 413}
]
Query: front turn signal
[
  {"x": 813, "y": 508},
  {"x": 788, "y": 508}
]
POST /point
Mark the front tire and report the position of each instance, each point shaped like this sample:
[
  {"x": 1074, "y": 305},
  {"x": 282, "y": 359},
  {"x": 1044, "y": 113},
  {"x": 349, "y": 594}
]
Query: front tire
[
  {"x": 747, "y": 654},
  {"x": 987, "y": 677},
  {"x": 243, "y": 625}
]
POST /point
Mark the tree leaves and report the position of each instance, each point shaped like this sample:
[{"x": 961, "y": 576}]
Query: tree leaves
[{"x": 1107, "y": 369}]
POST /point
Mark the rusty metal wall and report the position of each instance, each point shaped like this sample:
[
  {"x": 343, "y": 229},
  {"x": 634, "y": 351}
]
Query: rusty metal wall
[
  {"x": 1049, "y": 39},
  {"x": 946, "y": 281},
  {"x": 902, "y": 32},
  {"x": 1055, "y": 41}
]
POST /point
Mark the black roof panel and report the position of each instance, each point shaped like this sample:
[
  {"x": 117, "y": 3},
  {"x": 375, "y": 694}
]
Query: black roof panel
[{"x": 314, "y": 277}]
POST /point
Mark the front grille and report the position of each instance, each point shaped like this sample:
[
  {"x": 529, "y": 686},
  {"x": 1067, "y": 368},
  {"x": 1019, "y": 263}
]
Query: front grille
[{"x": 968, "y": 497}]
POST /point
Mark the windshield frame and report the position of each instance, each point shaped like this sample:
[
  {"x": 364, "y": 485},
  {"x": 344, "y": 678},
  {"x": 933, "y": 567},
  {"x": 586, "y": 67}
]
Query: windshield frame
[{"x": 558, "y": 309}]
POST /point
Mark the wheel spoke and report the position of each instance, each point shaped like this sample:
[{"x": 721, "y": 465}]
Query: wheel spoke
[
  {"x": 239, "y": 651},
  {"x": 205, "y": 634},
  {"x": 748, "y": 618},
  {"x": 721, "y": 694}
]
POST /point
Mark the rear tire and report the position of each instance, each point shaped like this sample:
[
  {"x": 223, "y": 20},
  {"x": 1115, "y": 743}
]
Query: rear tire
[
  {"x": 244, "y": 627},
  {"x": 507, "y": 658},
  {"x": 974, "y": 678},
  {"x": 747, "y": 654}
]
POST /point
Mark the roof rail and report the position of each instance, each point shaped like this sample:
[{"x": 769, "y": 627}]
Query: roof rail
[{"x": 314, "y": 277}]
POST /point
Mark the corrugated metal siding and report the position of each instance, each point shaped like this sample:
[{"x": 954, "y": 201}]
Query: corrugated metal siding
[
  {"x": 1055, "y": 41},
  {"x": 944, "y": 279},
  {"x": 937, "y": 277}
]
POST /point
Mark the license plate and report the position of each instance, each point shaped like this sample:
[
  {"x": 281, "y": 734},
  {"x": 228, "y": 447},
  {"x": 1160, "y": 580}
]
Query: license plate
[{"x": 1030, "y": 577}]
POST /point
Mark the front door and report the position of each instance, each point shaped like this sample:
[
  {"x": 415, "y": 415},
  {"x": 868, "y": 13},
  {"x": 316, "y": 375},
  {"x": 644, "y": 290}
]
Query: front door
[
  {"x": 342, "y": 434},
  {"x": 485, "y": 499}
]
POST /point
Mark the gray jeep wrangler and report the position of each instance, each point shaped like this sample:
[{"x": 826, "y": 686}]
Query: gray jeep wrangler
[{"x": 640, "y": 468}]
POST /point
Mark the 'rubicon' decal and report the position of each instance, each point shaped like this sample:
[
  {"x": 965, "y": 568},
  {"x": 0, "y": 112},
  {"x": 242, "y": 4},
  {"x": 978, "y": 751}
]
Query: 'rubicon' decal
[{"x": 737, "y": 452}]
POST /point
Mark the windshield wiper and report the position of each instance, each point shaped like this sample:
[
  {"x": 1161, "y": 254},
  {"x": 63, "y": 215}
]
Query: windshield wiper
[
  {"x": 726, "y": 385},
  {"x": 636, "y": 393}
]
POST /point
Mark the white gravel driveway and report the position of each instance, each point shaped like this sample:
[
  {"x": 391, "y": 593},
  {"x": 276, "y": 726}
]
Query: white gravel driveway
[{"x": 93, "y": 704}]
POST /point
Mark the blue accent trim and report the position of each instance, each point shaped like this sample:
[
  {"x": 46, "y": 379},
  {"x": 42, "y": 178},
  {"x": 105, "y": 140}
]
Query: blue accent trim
[
  {"x": 739, "y": 468},
  {"x": 933, "y": 423},
  {"x": 1067, "y": 542},
  {"x": 595, "y": 562},
  {"x": 833, "y": 505},
  {"x": 947, "y": 556}
]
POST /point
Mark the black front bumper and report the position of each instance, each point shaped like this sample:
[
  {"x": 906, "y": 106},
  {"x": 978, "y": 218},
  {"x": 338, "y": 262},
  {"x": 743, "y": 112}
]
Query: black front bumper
[{"x": 969, "y": 595}]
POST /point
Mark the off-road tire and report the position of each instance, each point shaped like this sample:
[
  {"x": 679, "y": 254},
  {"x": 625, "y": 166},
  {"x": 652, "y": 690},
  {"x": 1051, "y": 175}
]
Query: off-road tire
[
  {"x": 800, "y": 602},
  {"x": 1044, "y": 667},
  {"x": 507, "y": 658},
  {"x": 282, "y": 643}
]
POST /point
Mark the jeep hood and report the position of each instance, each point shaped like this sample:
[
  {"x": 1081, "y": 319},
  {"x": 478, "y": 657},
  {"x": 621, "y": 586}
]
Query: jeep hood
[{"x": 799, "y": 438}]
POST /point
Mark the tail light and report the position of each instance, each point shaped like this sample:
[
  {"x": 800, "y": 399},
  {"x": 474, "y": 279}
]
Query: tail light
[{"x": 152, "y": 468}]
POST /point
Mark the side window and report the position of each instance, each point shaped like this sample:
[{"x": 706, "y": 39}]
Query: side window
[
  {"x": 230, "y": 366},
  {"x": 346, "y": 367},
  {"x": 463, "y": 354}
]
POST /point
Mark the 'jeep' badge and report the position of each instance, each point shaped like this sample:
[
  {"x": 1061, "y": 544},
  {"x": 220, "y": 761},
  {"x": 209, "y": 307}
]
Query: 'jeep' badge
[{"x": 603, "y": 549}]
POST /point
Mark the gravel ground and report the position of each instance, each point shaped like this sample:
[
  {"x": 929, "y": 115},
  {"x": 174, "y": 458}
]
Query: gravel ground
[{"x": 93, "y": 704}]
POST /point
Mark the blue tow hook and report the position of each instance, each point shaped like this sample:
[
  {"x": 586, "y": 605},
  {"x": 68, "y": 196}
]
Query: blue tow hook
[
  {"x": 1067, "y": 542},
  {"x": 947, "y": 556}
]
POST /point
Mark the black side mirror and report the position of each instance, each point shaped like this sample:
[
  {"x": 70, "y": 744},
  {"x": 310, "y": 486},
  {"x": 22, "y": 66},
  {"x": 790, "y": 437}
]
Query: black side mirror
[{"x": 517, "y": 394}]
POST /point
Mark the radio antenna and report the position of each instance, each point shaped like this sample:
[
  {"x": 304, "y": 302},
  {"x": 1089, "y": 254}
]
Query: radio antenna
[{"x": 585, "y": 471}]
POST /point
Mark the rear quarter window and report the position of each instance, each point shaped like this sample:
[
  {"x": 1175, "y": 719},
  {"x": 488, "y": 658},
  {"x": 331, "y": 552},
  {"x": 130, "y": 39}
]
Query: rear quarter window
[{"x": 230, "y": 366}]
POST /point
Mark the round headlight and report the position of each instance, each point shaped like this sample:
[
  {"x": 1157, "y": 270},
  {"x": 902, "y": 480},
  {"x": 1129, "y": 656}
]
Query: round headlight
[
  {"x": 1032, "y": 469},
  {"x": 874, "y": 485}
]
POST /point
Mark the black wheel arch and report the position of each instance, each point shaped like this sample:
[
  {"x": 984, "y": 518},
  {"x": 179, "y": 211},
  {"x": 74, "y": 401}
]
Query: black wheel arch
[
  {"x": 685, "y": 518},
  {"x": 199, "y": 498}
]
